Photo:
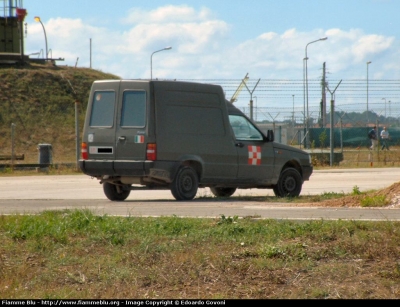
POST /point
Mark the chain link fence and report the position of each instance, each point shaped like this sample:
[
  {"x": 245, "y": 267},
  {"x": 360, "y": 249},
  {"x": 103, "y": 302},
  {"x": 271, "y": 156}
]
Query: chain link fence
[
  {"x": 349, "y": 136},
  {"x": 280, "y": 105},
  {"x": 304, "y": 120}
]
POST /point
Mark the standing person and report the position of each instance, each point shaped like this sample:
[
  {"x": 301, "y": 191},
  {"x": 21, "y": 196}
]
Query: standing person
[
  {"x": 385, "y": 138},
  {"x": 373, "y": 136}
]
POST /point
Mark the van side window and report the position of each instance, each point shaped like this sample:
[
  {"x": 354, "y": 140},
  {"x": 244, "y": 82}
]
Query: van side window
[
  {"x": 243, "y": 129},
  {"x": 195, "y": 120},
  {"x": 133, "y": 109},
  {"x": 103, "y": 109}
]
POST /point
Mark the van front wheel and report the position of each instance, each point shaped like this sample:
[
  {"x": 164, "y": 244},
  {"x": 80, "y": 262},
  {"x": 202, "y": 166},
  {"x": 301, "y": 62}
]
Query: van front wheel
[
  {"x": 289, "y": 184},
  {"x": 116, "y": 193},
  {"x": 185, "y": 184}
]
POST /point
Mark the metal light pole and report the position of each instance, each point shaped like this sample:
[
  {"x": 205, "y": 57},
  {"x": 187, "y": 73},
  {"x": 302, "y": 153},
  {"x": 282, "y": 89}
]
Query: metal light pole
[
  {"x": 151, "y": 60},
  {"x": 37, "y": 19},
  {"x": 385, "y": 106},
  {"x": 369, "y": 62},
  {"x": 304, "y": 99},
  {"x": 306, "y": 88}
]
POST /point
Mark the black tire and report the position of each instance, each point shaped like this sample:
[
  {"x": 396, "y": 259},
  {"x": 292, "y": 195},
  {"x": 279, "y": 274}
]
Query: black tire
[
  {"x": 116, "y": 193},
  {"x": 289, "y": 184},
  {"x": 185, "y": 184},
  {"x": 223, "y": 192}
]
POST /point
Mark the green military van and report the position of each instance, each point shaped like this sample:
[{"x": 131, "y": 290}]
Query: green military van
[{"x": 181, "y": 136}]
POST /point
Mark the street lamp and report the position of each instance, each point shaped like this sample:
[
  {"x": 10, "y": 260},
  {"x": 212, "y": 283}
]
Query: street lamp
[
  {"x": 304, "y": 99},
  {"x": 369, "y": 62},
  {"x": 151, "y": 60},
  {"x": 37, "y": 19},
  {"x": 385, "y": 106},
  {"x": 306, "y": 86}
]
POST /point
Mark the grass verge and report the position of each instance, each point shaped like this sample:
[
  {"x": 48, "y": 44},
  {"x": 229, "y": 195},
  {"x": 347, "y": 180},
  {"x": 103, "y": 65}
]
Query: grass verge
[{"x": 75, "y": 254}]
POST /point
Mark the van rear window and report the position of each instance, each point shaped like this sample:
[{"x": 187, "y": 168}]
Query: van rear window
[
  {"x": 133, "y": 109},
  {"x": 102, "y": 109}
]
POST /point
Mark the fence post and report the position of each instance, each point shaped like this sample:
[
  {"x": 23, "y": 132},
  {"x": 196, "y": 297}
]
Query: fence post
[{"x": 12, "y": 146}]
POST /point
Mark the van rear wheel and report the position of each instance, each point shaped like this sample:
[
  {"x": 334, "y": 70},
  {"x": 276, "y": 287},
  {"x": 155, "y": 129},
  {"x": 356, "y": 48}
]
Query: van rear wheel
[
  {"x": 116, "y": 192},
  {"x": 223, "y": 192},
  {"x": 289, "y": 184},
  {"x": 185, "y": 184}
]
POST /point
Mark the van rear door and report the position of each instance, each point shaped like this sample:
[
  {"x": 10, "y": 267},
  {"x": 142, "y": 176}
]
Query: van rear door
[
  {"x": 100, "y": 127},
  {"x": 131, "y": 134}
]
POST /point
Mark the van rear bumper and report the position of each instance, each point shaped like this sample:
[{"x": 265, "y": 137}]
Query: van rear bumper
[{"x": 115, "y": 168}]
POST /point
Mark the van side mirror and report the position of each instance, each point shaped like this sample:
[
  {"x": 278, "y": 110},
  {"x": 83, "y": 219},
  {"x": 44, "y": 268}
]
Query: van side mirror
[{"x": 270, "y": 135}]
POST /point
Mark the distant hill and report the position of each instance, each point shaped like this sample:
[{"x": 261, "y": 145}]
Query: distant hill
[{"x": 40, "y": 101}]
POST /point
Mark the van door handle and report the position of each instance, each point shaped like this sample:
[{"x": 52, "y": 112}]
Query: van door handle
[
  {"x": 239, "y": 145},
  {"x": 122, "y": 138}
]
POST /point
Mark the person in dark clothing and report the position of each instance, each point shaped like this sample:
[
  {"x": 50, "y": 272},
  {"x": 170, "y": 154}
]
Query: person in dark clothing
[{"x": 373, "y": 136}]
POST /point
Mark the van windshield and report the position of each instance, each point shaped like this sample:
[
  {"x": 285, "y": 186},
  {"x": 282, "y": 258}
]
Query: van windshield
[{"x": 243, "y": 129}]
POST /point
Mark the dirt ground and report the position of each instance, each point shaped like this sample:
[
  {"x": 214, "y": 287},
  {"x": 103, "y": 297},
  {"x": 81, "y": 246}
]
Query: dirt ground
[{"x": 392, "y": 194}]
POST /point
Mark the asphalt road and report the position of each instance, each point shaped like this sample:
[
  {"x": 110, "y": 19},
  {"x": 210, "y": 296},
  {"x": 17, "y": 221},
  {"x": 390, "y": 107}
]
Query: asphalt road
[{"x": 32, "y": 194}]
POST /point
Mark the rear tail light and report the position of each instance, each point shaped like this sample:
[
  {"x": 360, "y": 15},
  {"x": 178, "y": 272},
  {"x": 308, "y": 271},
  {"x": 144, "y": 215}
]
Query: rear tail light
[
  {"x": 151, "y": 151},
  {"x": 84, "y": 151}
]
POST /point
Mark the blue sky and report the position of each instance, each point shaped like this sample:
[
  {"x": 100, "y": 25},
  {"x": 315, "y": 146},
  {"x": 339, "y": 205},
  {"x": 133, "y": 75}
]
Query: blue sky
[{"x": 221, "y": 39}]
